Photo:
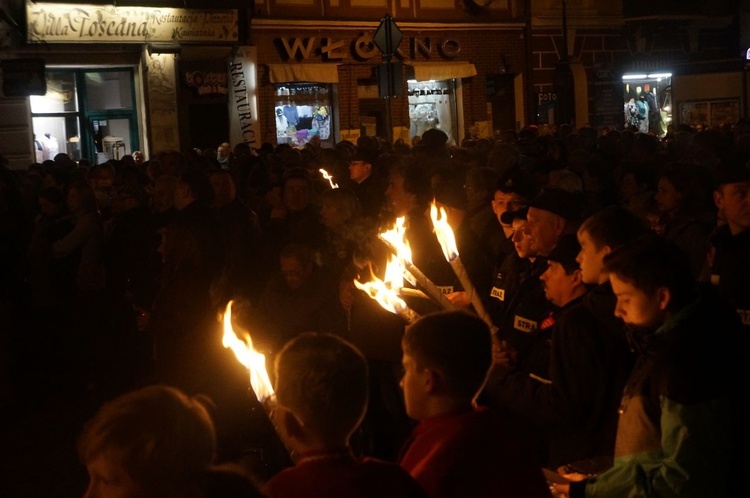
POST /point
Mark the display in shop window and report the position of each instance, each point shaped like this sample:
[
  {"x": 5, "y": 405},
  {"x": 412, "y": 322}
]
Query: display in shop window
[{"x": 303, "y": 112}]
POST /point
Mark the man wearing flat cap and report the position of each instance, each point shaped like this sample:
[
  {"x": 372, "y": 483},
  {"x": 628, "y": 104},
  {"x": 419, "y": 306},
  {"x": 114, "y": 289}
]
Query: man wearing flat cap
[
  {"x": 576, "y": 399},
  {"x": 728, "y": 264},
  {"x": 552, "y": 213}
]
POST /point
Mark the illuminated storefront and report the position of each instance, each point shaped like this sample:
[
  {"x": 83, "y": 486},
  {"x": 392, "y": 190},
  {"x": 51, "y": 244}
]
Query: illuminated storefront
[{"x": 647, "y": 102}]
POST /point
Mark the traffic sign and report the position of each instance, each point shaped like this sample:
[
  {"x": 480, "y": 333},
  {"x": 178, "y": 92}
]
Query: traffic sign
[{"x": 387, "y": 37}]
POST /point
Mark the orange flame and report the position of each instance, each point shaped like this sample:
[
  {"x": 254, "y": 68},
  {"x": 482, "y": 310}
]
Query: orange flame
[
  {"x": 444, "y": 232},
  {"x": 328, "y": 177},
  {"x": 396, "y": 237},
  {"x": 254, "y": 361},
  {"x": 386, "y": 292}
]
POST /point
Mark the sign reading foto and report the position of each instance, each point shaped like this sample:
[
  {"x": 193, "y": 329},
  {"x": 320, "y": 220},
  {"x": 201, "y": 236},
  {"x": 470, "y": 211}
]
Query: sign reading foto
[{"x": 65, "y": 23}]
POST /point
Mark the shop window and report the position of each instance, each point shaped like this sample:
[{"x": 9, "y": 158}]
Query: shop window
[
  {"x": 88, "y": 114},
  {"x": 56, "y": 118},
  {"x": 432, "y": 104},
  {"x": 648, "y": 102},
  {"x": 303, "y": 113}
]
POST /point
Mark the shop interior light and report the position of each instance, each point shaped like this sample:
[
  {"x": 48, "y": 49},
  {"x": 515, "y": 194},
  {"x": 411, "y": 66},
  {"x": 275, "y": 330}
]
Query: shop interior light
[
  {"x": 626, "y": 77},
  {"x": 660, "y": 75}
]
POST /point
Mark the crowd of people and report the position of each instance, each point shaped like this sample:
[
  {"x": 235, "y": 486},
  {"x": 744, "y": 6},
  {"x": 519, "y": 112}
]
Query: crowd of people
[{"x": 614, "y": 268}]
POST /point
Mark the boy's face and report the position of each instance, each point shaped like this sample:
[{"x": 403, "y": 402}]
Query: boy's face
[
  {"x": 591, "y": 259},
  {"x": 413, "y": 385},
  {"x": 636, "y": 307},
  {"x": 108, "y": 480},
  {"x": 503, "y": 202}
]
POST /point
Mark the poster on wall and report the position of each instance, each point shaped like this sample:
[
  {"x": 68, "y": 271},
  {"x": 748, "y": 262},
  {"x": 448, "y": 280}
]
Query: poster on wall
[
  {"x": 714, "y": 113},
  {"x": 244, "y": 126}
]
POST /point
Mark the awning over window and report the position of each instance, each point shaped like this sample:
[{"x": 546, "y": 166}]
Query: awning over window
[
  {"x": 314, "y": 73},
  {"x": 424, "y": 71}
]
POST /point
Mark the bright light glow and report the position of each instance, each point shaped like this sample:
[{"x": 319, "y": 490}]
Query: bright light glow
[
  {"x": 328, "y": 177},
  {"x": 396, "y": 237},
  {"x": 444, "y": 232},
  {"x": 667, "y": 108},
  {"x": 254, "y": 361},
  {"x": 660, "y": 75},
  {"x": 386, "y": 292},
  {"x": 626, "y": 77}
]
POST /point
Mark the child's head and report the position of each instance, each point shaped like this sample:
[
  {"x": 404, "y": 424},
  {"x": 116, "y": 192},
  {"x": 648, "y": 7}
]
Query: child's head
[
  {"x": 150, "y": 442},
  {"x": 651, "y": 278},
  {"x": 322, "y": 381},
  {"x": 446, "y": 357}
]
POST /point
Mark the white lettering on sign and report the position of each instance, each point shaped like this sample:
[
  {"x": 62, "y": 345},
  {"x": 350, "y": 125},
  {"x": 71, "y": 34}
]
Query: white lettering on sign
[
  {"x": 446, "y": 289},
  {"x": 547, "y": 97},
  {"x": 243, "y": 102},
  {"x": 498, "y": 293},
  {"x": 524, "y": 324},
  {"x": 62, "y": 23}
]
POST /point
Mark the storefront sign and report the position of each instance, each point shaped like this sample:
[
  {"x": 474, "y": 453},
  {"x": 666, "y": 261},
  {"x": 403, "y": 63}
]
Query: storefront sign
[
  {"x": 244, "y": 126},
  {"x": 64, "y": 23},
  {"x": 363, "y": 48}
]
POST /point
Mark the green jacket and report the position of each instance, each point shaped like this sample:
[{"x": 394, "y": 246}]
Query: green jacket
[{"x": 682, "y": 430}]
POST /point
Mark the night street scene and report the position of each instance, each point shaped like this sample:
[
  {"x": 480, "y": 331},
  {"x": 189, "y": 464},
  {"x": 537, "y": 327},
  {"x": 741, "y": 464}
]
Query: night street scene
[{"x": 435, "y": 249}]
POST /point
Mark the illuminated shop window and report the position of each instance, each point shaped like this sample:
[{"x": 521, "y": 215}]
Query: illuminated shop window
[
  {"x": 304, "y": 113},
  {"x": 432, "y": 104},
  {"x": 647, "y": 102},
  {"x": 88, "y": 114}
]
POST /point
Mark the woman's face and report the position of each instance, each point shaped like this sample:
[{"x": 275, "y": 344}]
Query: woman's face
[{"x": 667, "y": 197}]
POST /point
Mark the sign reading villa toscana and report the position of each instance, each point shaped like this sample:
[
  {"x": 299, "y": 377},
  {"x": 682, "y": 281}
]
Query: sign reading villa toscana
[{"x": 64, "y": 23}]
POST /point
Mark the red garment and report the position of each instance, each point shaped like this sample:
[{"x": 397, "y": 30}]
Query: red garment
[
  {"x": 469, "y": 454},
  {"x": 341, "y": 476}
]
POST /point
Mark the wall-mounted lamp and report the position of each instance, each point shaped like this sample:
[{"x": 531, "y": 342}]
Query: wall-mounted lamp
[{"x": 164, "y": 48}]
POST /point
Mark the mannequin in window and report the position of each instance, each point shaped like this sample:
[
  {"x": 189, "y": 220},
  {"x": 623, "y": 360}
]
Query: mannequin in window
[
  {"x": 291, "y": 114},
  {"x": 53, "y": 147},
  {"x": 643, "y": 112},
  {"x": 281, "y": 123},
  {"x": 654, "y": 118}
]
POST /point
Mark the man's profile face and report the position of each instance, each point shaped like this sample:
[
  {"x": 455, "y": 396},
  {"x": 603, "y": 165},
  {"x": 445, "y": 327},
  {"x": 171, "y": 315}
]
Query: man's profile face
[
  {"x": 359, "y": 170},
  {"x": 733, "y": 200},
  {"x": 591, "y": 259},
  {"x": 542, "y": 227},
  {"x": 634, "y": 306},
  {"x": 558, "y": 285}
]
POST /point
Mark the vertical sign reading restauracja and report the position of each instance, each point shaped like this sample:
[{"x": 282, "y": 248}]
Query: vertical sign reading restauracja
[{"x": 244, "y": 126}]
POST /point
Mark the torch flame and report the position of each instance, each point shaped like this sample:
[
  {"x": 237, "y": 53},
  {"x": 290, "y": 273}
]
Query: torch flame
[
  {"x": 396, "y": 237},
  {"x": 328, "y": 177},
  {"x": 254, "y": 361},
  {"x": 444, "y": 232},
  {"x": 386, "y": 291}
]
